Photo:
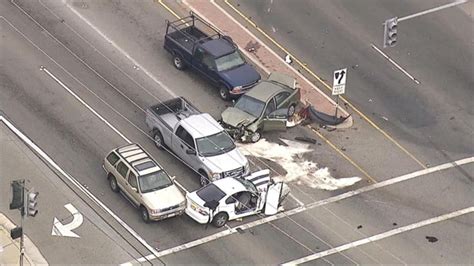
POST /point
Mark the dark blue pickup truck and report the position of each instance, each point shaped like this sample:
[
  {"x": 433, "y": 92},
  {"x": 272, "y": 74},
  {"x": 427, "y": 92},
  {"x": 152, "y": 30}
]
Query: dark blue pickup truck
[{"x": 195, "y": 43}]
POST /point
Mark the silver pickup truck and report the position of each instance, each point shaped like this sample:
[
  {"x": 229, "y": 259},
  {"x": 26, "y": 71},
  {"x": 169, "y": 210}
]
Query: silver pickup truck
[{"x": 197, "y": 139}]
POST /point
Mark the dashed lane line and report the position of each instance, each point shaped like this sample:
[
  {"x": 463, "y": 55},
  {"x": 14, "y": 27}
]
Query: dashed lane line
[
  {"x": 307, "y": 69},
  {"x": 313, "y": 205},
  {"x": 380, "y": 236}
]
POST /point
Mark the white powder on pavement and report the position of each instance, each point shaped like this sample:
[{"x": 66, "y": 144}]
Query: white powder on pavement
[{"x": 298, "y": 169}]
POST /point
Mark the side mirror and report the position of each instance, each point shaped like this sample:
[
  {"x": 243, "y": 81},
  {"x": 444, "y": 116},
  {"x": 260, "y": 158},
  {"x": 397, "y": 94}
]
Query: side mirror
[
  {"x": 135, "y": 189},
  {"x": 190, "y": 151},
  {"x": 173, "y": 178},
  {"x": 233, "y": 102}
]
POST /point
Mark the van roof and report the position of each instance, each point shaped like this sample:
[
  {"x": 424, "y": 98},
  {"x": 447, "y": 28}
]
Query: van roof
[{"x": 139, "y": 159}]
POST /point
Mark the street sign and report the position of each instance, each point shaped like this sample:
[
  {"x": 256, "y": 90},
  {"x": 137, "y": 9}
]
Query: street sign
[
  {"x": 60, "y": 229},
  {"x": 339, "y": 82}
]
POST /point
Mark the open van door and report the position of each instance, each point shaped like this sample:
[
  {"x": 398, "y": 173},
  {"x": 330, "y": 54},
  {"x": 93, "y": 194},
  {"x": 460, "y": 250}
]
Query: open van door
[{"x": 273, "y": 198}]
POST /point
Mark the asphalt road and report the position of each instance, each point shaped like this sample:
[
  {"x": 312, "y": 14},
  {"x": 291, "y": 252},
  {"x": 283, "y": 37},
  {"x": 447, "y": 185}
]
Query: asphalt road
[
  {"x": 433, "y": 119},
  {"x": 110, "y": 54}
]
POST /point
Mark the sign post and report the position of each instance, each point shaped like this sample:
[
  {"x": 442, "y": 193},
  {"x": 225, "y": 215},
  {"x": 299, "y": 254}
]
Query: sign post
[{"x": 339, "y": 85}]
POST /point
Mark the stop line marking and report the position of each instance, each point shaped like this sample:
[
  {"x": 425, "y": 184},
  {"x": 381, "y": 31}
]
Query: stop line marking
[
  {"x": 337, "y": 198},
  {"x": 380, "y": 236},
  {"x": 313, "y": 205}
]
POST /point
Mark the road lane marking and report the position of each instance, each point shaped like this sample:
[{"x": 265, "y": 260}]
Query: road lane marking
[
  {"x": 42, "y": 68},
  {"x": 314, "y": 87},
  {"x": 432, "y": 10},
  {"x": 77, "y": 184},
  {"x": 303, "y": 65},
  {"x": 134, "y": 62},
  {"x": 137, "y": 64},
  {"x": 76, "y": 78},
  {"x": 60, "y": 229},
  {"x": 394, "y": 63},
  {"x": 380, "y": 236},
  {"x": 343, "y": 155},
  {"x": 313, "y": 205}
]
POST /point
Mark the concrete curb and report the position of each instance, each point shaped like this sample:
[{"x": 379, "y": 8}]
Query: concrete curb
[
  {"x": 32, "y": 254},
  {"x": 309, "y": 92}
]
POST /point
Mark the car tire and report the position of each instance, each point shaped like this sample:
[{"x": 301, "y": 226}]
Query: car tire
[
  {"x": 158, "y": 139},
  {"x": 256, "y": 136},
  {"x": 220, "y": 219},
  {"x": 291, "y": 110},
  {"x": 178, "y": 62},
  {"x": 224, "y": 93},
  {"x": 113, "y": 183},
  {"x": 144, "y": 214},
  {"x": 203, "y": 178}
]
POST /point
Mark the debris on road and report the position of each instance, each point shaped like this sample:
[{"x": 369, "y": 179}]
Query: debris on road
[
  {"x": 306, "y": 139},
  {"x": 297, "y": 168},
  {"x": 431, "y": 239}
]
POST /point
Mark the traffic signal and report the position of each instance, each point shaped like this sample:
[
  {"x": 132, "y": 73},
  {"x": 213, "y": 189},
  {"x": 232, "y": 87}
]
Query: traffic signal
[
  {"x": 390, "y": 32},
  {"x": 16, "y": 232},
  {"x": 32, "y": 202},
  {"x": 17, "y": 194}
]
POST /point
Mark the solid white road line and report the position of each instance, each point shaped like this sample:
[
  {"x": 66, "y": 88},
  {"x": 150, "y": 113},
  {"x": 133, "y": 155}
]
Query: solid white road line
[
  {"x": 313, "y": 205},
  {"x": 380, "y": 236},
  {"x": 95, "y": 113},
  {"x": 134, "y": 62},
  {"x": 76, "y": 183},
  {"x": 395, "y": 63},
  {"x": 84, "y": 103},
  {"x": 433, "y": 10}
]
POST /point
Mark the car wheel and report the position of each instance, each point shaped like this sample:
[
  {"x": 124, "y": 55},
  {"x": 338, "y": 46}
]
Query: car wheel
[
  {"x": 224, "y": 93},
  {"x": 178, "y": 62},
  {"x": 158, "y": 138},
  {"x": 144, "y": 214},
  {"x": 291, "y": 110},
  {"x": 113, "y": 184},
  {"x": 220, "y": 219},
  {"x": 256, "y": 136},
  {"x": 203, "y": 179}
]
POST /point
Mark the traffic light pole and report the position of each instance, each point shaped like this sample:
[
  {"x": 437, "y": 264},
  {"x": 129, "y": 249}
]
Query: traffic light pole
[
  {"x": 22, "y": 214},
  {"x": 22, "y": 247}
]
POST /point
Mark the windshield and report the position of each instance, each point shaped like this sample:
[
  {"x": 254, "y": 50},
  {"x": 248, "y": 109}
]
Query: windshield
[
  {"x": 215, "y": 144},
  {"x": 154, "y": 181},
  {"x": 248, "y": 185},
  {"x": 229, "y": 61},
  {"x": 210, "y": 192},
  {"x": 250, "y": 105}
]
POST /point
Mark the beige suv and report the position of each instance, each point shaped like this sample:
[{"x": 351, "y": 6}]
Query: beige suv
[{"x": 132, "y": 171}]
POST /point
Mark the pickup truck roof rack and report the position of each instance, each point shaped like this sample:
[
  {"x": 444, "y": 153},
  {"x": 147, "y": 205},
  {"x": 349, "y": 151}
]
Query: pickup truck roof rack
[{"x": 186, "y": 22}]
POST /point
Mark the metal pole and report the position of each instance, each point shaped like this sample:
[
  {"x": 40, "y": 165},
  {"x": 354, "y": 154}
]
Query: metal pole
[
  {"x": 22, "y": 247},
  {"x": 337, "y": 105}
]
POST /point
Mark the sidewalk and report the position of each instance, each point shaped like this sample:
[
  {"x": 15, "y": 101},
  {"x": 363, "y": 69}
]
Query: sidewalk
[
  {"x": 262, "y": 55},
  {"x": 10, "y": 249}
]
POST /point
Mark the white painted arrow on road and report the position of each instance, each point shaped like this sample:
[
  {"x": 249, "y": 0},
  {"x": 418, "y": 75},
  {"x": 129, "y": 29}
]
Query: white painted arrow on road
[{"x": 60, "y": 229}]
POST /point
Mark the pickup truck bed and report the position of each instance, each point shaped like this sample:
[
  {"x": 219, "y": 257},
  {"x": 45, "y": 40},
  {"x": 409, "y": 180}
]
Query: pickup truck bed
[
  {"x": 187, "y": 36},
  {"x": 173, "y": 110}
]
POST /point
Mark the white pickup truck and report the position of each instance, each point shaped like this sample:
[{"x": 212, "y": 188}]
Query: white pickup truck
[{"x": 197, "y": 138}]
